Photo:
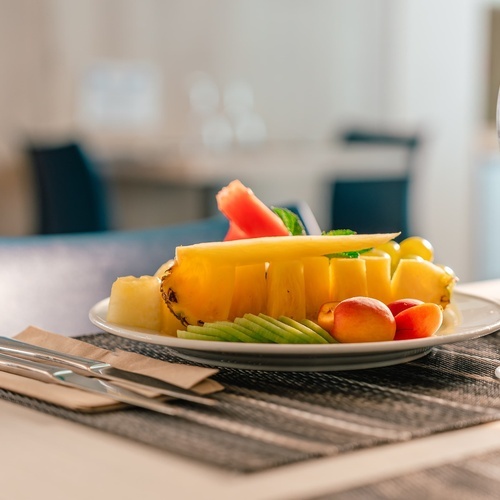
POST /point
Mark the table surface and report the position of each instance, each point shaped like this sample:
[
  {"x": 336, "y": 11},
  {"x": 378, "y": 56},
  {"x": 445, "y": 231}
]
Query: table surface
[{"x": 48, "y": 457}]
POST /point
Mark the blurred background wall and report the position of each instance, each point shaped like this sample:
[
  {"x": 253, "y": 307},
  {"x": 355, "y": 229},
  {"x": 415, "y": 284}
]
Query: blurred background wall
[{"x": 307, "y": 69}]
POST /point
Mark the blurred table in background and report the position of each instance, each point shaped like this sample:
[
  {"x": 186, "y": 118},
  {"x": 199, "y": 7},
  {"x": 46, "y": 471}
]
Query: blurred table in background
[{"x": 180, "y": 183}]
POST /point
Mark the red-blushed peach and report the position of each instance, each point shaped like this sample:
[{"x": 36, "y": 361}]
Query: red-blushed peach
[
  {"x": 420, "y": 321},
  {"x": 325, "y": 315},
  {"x": 400, "y": 305},
  {"x": 363, "y": 319}
]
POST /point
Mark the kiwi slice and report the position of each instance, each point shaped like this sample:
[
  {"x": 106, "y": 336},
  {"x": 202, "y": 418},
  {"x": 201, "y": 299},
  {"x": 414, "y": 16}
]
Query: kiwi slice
[
  {"x": 319, "y": 330},
  {"x": 315, "y": 337},
  {"x": 288, "y": 334},
  {"x": 186, "y": 334}
]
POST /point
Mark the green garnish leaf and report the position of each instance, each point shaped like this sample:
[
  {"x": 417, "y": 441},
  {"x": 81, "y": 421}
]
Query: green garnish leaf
[
  {"x": 344, "y": 255},
  {"x": 338, "y": 232},
  {"x": 291, "y": 220}
]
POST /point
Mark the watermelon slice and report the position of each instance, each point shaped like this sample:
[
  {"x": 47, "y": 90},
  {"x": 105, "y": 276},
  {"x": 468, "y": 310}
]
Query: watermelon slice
[{"x": 248, "y": 216}]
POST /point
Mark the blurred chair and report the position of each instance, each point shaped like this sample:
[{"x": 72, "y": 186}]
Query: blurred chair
[
  {"x": 378, "y": 203},
  {"x": 71, "y": 196}
]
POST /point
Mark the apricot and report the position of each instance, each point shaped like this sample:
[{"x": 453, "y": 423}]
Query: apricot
[
  {"x": 400, "y": 305},
  {"x": 325, "y": 315},
  {"x": 420, "y": 321},
  {"x": 363, "y": 319}
]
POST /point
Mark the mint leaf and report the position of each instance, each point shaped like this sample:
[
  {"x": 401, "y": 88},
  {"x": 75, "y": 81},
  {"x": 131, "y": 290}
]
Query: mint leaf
[
  {"x": 344, "y": 255},
  {"x": 339, "y": 232},
  {"x": 347, "y": 255},
  {"x": 292, "y": 221}
]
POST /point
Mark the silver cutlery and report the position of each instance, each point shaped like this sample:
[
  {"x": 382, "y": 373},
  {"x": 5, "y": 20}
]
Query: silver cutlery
[
  {"x": 98, "y": 369},
  {"x": 66, "y": 377}
]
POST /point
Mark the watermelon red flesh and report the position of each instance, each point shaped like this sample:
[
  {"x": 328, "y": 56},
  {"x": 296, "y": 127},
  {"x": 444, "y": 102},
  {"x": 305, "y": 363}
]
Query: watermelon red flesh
[
  {"x": 234, "y": 233},
  {"x": 250, "y": 215}
]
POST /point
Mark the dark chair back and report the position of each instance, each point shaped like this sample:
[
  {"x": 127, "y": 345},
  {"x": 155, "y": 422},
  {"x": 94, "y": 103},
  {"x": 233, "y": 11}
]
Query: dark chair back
[
  {"x": 378, "y": 203},
  {"x": 71, "y": 195}
]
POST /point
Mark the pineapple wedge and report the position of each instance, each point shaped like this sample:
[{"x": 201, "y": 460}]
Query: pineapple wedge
[
  {"x": 198, "y": 292},
  {"x": 316, "y": 284},
  {"x": 250, "y": 290},
  {"x": 378, "y": 276},
  {"x": 423, "y": 280},
  {"x": 286, "y": 290},
  {"x": 275, "y": 248},
  {"x": 347, "y": 278}
]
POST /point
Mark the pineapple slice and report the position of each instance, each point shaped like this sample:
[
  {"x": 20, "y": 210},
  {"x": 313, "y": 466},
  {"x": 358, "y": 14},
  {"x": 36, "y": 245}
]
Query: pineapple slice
[
  {"x": 286, "y": 289},
  {"x": 378, "y": 276},
  {"x": 317, "y": 284},
  {"x": 198, "y": 292},
  {"x": 423, "y": 280},
  {"x": 347, "y": 278},
  {"x": 249, "y": 295},
  {"x": 277, "y": 248},
  {"x": 136, "y": 302}
]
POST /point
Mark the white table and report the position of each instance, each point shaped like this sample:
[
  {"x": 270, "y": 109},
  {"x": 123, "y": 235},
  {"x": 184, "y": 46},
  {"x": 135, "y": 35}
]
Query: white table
[{"x": 46, "y": 457}]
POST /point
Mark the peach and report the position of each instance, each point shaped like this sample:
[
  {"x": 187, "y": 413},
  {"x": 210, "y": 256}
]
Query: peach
[
  {"x": 422, "y": 320},
  {"x": 325, "y": 315},
  {"x": 400, "y": 305},
  {"x": 363, "y": 319}
]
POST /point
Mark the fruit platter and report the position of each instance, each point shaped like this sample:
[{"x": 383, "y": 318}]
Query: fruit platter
[{"x": 270, "y": 296}]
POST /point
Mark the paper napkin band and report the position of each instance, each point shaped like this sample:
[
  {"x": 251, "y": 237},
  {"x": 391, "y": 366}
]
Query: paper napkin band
[{"x": 185, "y": 376}]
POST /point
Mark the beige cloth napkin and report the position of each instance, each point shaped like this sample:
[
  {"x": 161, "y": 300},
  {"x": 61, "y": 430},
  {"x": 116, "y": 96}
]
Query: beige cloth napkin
[{"x": 185, "y": 376}]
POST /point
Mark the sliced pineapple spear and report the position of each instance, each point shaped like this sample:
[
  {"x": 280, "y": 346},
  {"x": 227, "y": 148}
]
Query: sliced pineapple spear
[
  {"x": 214, "y": 282},
  {"x": 274, "y": 248},
  {"x": 204, "y": 282}
]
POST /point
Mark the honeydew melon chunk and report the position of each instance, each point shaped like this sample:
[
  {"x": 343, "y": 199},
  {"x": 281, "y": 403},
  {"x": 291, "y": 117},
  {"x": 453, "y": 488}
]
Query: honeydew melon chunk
[
  {"x": 264, "y": 333},
  {"x": 320, "y": 331},
  {"x": 241, "y": 333},
  {"x": 290, "y": 334},
  {"x": 186, "y": 334},
  {"x": 213, "y": 332},
  {"x": 274, "y": 248},
  {"x": 318, "y": 339}
]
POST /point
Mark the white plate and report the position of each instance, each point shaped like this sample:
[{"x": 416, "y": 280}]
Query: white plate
[{"x": 479, "y": 317}]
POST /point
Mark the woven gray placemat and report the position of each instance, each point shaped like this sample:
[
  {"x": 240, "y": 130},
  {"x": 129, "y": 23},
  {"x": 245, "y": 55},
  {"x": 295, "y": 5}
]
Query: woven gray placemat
[
  {"x": 476, "y": 478},
  {"x": 323, "y": 413}
]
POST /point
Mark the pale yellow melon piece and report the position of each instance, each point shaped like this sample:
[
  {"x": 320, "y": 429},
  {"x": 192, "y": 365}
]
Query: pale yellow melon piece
[
  {"x": 277, "y": 248},
  {"x": 285, "y": 289},
  {"x": 378, "y": 276},
  {"x": 136, "y": 302},
  {"x": 316, "y": 284},
  {"x": 423, "y": 280},
  {"x": 347, "y": 278},
  {"x": 250, "y": 290},
  {"x": 197, "y": 293}
]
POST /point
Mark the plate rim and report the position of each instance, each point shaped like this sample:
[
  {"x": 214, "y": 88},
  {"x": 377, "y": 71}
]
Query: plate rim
[{"x": 152, "y": 337}]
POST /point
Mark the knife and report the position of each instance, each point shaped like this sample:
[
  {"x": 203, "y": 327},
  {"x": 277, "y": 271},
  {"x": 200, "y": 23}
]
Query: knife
[
  {"x": 98, "y": 369},
  {"x": 66, "y": 377}
]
